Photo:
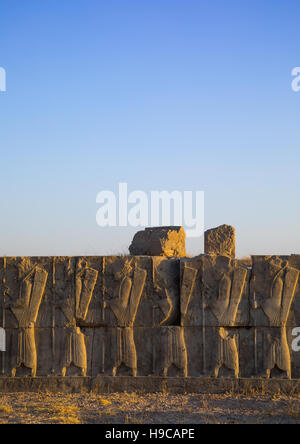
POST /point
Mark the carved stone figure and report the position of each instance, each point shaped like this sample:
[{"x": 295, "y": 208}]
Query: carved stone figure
[
  {"x": 187, "y": 287},
  {"x": 173, "y": 349},
  {"x": 281, "y": 280},
  {"x": 124, "y": 303},
  {"x": 230, "y": 281},
  {"x": 227, "y": 354},
  {"x": 75, "y": 309},
  {"x": 174, "y": 352},
  {"x": 166, "y": 292},
  {"x": 32, "y": 280},
  {"x": 208, "y": 315}
]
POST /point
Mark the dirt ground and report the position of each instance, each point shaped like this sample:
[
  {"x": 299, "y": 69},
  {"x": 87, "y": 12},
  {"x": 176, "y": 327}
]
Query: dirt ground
[{"x": 29, "y": 408}]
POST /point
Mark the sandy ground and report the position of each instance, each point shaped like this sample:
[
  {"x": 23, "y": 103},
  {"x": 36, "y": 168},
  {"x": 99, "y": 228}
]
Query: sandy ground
[{"x": 27, "y": 408}]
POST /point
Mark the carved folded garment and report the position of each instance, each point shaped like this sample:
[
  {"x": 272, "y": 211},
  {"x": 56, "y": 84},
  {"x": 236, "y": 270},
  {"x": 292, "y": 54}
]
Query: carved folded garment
[
  {"x": 174, "y": 349},
  {"x": 278, "y": 350},
  {"x": 126, "y": 351},
  {"x": 32, "y": 290},
  {"x": 126, "y": 305},
  {"x": 227, "y": 351},
  {"x": 230, "y": 292},
  {"x": 26, "y": 312},
  {"x": 75, "y": 352},
  {"x": 282, "y": 293},
  {"x": 85, "y": 284},
  {"x": 27, "y": 355}
]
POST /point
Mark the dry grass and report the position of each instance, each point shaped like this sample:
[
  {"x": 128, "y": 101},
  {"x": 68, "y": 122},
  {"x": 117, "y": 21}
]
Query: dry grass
[
  {"x": 104, "y": 402},
  {"x": 6, "y": 408},
  {"x": 64, "y": 413},
  {"x": 251, "y": 406}
]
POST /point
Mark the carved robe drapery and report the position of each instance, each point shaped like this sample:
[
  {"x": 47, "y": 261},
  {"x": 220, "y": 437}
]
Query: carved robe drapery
[
  {"x": 225, "y": 309},
  {"x": 277, "y": 308},
  {"x": 174, "y": 350},
  {"x": 75, "y": 348},
  {"x": 228, "y": 351},
  {"x": 26, "y": 311},
  {"x": 125, "y": 307}
]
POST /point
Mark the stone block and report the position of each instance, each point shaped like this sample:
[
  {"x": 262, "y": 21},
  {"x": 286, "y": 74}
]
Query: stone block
[
  {"x": 220, "y": 241},
  {"x": 161, "y": 241}
]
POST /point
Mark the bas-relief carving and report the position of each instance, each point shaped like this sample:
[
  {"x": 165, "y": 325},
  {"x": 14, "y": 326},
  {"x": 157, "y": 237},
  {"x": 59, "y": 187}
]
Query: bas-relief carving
[
  {"x": 110, "y": 286},
  {"x": 73, "y": 295},
  {"x": 225, "y": 302},
  {"x": 208, "y": 332},
  {"x": 166, "y": 292},
  {"x": 24, "y": 305},
  {"x": 166, "y": 314},
  {"x": 218, "y": 292},
  {"x": 216, "y": 285},
  {"x": 223, "y": 299},
  {"x": 123, "y": 304},
  {"x": 173, "y": 351},
  {"x": 273, "y": 288}
]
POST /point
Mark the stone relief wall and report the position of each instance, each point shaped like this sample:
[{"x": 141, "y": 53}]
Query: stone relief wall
[{"x": 150, "y": 316}]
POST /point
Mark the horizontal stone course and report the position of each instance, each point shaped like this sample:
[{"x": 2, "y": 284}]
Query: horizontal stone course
[{"x": 140, "y": 385}]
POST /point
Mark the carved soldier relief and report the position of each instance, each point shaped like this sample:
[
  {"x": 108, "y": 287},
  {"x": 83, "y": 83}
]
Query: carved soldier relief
[
  {"x": 204, "y": 316},
  {"x": 274, "y": 298},
  {"x": 166, "y": 292},
  {"x": 32, "y": 281},
  {"x": 166, "y": 313},
  {"x": 123, "y": 303},
  {"x": 223, "y": 296},
  {"x": 73, "y": 296},
  {"x": 174, "y": 352}
]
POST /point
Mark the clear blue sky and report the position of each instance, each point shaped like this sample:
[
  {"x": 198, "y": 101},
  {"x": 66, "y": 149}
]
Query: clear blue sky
[{"x": 161, "y": 94}]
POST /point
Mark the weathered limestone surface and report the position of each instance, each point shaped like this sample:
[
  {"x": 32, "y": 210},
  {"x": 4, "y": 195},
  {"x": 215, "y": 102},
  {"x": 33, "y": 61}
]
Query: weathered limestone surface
[
  {"x": 220, "y": 241},
  {"x": 214, "y": 292},
  {"x": 150, "y": 384},
  {"x": 147, "y": 321},
  {"x": 161, "y": 241}
]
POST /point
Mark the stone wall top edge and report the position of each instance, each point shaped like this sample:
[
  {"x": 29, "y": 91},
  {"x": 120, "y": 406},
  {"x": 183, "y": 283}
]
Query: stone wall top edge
[{"x": 187, "y": 258}]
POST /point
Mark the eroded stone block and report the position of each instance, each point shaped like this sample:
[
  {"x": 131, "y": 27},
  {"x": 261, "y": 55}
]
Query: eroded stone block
[
  {"x": 220, "y": 241},
  {"x": 161, "y": 241}
]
